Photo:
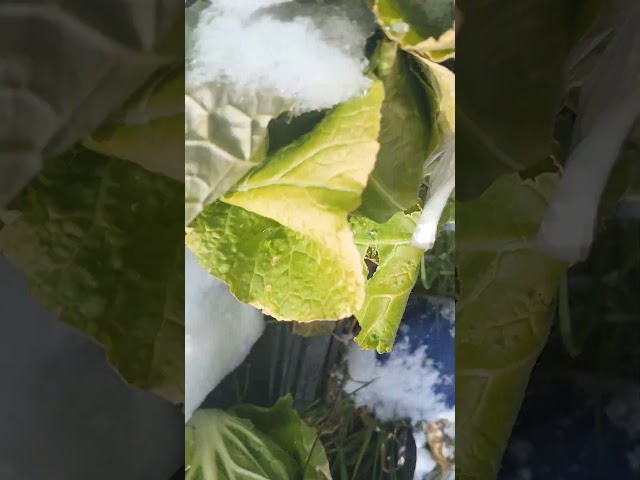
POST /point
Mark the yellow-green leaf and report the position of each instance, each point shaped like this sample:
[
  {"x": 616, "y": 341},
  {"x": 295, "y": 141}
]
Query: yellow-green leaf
[{"x": 388, "y": 290}]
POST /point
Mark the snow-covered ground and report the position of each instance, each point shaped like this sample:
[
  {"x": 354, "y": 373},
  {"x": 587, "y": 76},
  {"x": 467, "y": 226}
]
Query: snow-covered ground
[
  {"x": 65, "y": 414},
  {"x": 414, "y": 381}
]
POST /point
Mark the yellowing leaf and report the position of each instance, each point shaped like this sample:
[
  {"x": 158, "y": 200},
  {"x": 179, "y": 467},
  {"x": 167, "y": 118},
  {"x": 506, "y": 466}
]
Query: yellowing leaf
[{"x": 282, "y": 240}]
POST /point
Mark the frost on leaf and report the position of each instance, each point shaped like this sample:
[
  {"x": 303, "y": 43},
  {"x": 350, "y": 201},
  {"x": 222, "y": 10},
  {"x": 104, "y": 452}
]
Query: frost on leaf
[{"x": 308, "y": 53}]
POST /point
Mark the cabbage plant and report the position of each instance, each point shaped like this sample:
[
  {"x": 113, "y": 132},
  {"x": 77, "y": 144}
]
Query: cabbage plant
[
  {"x": 319, "y": 141},
  {"x": 531, "y": 191},
  {"x": 295, "y": 177}
]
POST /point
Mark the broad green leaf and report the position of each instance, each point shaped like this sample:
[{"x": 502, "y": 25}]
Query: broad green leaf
[
  {"x": 406, "y": 138},
  {"x": 220, "y": 445},
  {"x": 287, "y": 275},
  {"x": 423, "y": 27},
  {"x": 225, "y": 138},
  {"x": 282, "y": 240},
  {"x": 96, "y": 238},
  {"x": 506, "y": 288},
  {"x": 511, "y": 82},
  {"x": 148, "y": 130},
  {"x": 282, "y": 424},
  {"x": 388, "y": 289}
]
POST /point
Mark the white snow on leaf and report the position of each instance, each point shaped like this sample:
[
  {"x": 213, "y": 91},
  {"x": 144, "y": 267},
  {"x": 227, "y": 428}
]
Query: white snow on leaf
[
  {"x": 310, "y": 53},
  {"x": 219, "y": 332}
]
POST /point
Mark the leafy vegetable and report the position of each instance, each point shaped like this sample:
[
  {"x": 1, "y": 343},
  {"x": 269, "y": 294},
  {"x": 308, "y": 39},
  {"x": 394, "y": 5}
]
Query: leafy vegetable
[
  {"x": 441, "y": 179},
  {"x": 295, "y": 177},
  {"x": 249, "y": 442},
  {"x": 406, "y": 138},
  {"x": 388, "y": 290},
  {"x": 499, "y": 336},
  {"x": 225, "y": 137},
  {"x": 283, "y": 425},
  {"x": 221, "y": 445},
  {"x": 507, "y": 107},
  {"x": 281, "y": 239},
  {"x": 89, "y": 234},
  {"x": 425, "y": 28}
]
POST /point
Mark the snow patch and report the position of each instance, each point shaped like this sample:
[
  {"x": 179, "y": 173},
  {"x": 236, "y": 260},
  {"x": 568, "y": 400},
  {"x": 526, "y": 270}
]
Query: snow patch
[
  {"x": 403, "y": 387},
  {"x": 311, "y": 54},
  {"x": 219, "y": 332},
  {"x": 425, "y": 463}
]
